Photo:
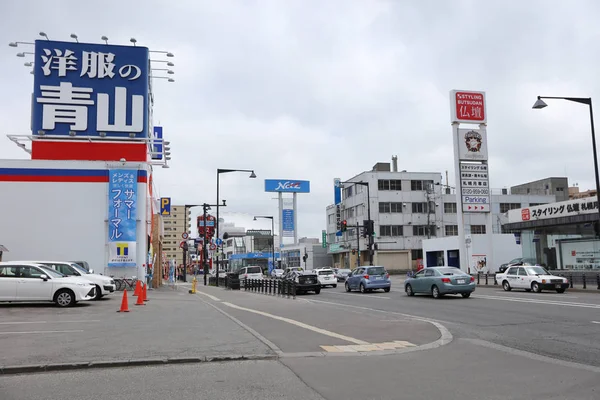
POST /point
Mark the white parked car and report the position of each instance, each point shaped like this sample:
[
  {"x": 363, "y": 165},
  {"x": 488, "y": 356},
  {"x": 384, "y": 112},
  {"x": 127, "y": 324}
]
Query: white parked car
[
  {"x": 326, "y": 277},
  {"x": 531, "y": 277},
  {"x": 104, "y": 284},
  {"x": 250, "y": 273},
  {"x": 20, "y": 281},
  {"x": 277, "y": 273}
]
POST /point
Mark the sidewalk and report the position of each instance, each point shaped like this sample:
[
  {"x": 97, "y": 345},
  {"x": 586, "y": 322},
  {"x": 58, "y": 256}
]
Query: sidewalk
[{"x": 172, "y": 324}]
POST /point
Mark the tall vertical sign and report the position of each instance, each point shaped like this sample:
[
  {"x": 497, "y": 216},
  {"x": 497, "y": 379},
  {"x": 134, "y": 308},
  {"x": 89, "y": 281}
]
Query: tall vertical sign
[
  {"x": 337, "y": 199},
  {"x": 471, "y": 168},
  {"x": 122, "y": 218},
  {"x": 288, "y": 226}
]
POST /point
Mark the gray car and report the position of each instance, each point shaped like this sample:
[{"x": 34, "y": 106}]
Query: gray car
[
  {"x": 439, "y": 281},
  {"x": 342, "y": 274}
]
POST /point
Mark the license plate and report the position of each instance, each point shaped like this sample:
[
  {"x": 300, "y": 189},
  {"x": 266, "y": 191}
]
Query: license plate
[
  {"x": 460, "y": 281},
  {"x": 377, "y": 278},
  {"x": 558, "y": 285}
]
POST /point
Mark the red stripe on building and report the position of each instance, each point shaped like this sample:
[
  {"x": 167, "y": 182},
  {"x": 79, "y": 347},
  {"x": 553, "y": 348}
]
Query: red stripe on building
[
  {"x": 34, "y": 178},
  {"x": 88, "y": 151}
]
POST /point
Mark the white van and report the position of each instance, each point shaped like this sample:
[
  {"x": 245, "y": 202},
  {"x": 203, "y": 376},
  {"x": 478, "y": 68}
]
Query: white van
[{"x": 250, "y": 272}]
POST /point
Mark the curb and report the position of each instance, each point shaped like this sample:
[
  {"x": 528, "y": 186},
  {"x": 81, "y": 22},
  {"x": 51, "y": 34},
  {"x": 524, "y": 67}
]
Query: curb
[{"x": 29, "y": 369}]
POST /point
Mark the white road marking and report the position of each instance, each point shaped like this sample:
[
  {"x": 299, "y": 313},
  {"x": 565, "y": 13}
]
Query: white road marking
[
  {"x": 210, "y": 296},
  {"x": 299, "y": 324},
  {"x": 595, "y": 322},
  {"x": 48, "y": 322},
  {"x": 539, "y": 301},
  {"x": 362, "y": 295},
  {"x": 545, "y": 294},
  {"x": 38, "y": 332}
]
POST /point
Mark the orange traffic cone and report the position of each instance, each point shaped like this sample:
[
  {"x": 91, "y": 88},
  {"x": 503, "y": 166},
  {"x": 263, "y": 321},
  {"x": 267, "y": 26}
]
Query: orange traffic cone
[
  {"x": 138, "y": 288},
  {"x": 140, "y": 300},
  {"x": 144, "y": 293},
  {"x": 124, "y": 303}
]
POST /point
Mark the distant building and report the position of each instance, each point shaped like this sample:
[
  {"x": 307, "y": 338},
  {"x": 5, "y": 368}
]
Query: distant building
[
  {"x": 316, "y": 255},
  {"x": 574, "y": 193},
  {"x": 174, "y": 226},
  {"x": 408, "y": 207},
  {"x": 558, "y": 187}
]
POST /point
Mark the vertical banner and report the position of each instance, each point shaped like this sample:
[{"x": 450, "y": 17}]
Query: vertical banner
[
  {"x": 337, "y": 200},
  {"x": 122, "y": 216},
  {"x": 287, "y": 218}
]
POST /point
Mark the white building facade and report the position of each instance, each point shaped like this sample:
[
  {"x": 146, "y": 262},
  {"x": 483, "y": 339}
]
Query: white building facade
[{"x": 407, "y": 208}]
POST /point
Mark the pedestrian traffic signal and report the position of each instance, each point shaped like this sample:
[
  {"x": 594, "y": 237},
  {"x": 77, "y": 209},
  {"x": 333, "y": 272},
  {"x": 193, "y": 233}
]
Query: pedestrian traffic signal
[{"x": 344, "y": 226}]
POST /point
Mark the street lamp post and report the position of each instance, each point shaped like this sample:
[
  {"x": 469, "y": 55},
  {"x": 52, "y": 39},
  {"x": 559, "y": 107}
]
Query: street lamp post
[
  {"x": 185, "y": 248},
  {"x": 219, "y": 172},
  {"x": 370, "y": 237},
  {"x": 539, "y": 104},
  {"x": 272, "y": 234}
]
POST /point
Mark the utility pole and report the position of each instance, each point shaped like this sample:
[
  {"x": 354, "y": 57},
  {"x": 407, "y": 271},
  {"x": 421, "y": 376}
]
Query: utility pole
[
  {"x": 358, "y": 244},
  {"x": 204, "y": 252}
]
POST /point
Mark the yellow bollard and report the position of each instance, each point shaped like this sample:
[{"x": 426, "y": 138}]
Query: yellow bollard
[{"x": 193, "y": 289}]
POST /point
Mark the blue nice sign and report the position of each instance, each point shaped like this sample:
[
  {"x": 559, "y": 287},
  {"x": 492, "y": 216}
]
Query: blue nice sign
[
  {"x": 89, "y": 89},
  {"x": 281, "y": 185}
]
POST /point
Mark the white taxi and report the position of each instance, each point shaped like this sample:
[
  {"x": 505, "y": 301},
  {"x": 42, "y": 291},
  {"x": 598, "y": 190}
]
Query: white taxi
[
  {"x": 326, "y": 277},
  {"x": 531, "y": 277}
]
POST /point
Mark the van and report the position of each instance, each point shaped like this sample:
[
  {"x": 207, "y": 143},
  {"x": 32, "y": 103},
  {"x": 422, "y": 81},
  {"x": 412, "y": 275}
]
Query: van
[{"x": 251, "y": 272}]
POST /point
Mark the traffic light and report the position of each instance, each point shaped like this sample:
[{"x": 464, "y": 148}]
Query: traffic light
[
  {"x": 353, "y": 251},
  {"x": 369, "y": 228},
  {"x": 344, "y": 226}
]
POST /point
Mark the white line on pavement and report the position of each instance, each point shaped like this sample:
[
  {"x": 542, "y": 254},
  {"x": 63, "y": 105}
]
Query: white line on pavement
[
  {"x": 546, "y": 294},
  {"x": 361, "y": 295},
  {"x": 210, "y": 296},
  {"x": 48, "y": 322},
  {"x": 299, "y": 324},
  {"x": 37, "y": 332},
  {"x": 595, "y": 322},
  {"x": 539, "y": 301}
]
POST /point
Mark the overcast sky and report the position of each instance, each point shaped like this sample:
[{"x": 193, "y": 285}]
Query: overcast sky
[{"x": 318, "y": 89}]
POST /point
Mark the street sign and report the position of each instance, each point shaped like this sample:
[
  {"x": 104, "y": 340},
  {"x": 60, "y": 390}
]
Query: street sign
[
  {"x": 219, "y": 241},
  {"x": 324, "y": 239},
  {"x": 165, "y": 206},
  {"x": 182, "y": 244},
  {"x": 281, "y": 246},
  {"x": 212, "y": 247},
  {"x": 483, "y": 208},
  {"x": 185, "y": 235}
]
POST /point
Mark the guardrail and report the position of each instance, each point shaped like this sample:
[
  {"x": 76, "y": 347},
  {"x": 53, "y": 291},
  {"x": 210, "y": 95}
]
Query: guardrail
[
  {"x": 273, "y": 287},
  {"x": 580, "y": 279}
]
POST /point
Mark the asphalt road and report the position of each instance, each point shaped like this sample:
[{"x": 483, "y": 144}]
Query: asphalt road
[{"x": 513, "y": 345}]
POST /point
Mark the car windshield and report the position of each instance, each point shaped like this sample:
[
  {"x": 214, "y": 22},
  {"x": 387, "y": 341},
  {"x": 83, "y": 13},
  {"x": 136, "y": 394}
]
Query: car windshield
[
  {"x": 536, "y": 271},
  {"x": 343, "y": 271},
  {"x": 79, "y": 269},
  {"x": 326, "y": 272},
  {"x": 52, "y": 273},
  {"x": 254, "y": 270},
  {"x": 376, "y": 271},
  {"x": 450, "y": 271}
]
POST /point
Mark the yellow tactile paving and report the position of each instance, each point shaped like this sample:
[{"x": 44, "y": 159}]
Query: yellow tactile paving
[{"x": 353, "y": 348}]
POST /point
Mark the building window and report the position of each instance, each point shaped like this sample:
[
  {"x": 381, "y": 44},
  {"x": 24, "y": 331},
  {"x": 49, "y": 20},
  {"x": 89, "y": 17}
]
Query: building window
[
  {"x": 419, "y": 207},
  {"x": 383, "y": 184},
  {"x": 421, "y": 230},
  {"x": 449, "y": 208},
  {"x": 560, "y": 189},
  {"x": 391, "y": 230},
  {"x": 348, "y": 192},
  {"x": 416, "y": 254},
  {"x": 330, "y": 219},
  {"x": 389, "y": 184},
  {"x": 384, "y": 208},
  {"x": 536, "y": 204},
  {"x": 350, "y": 212},
  {"x": 420, "y": 185},
  {"x": 451, "y": 230},
  {"x": 478, "y": 229},
  {"x": 396, "y": 207},
  {"x": 504, "y": 207},
  {"x": 395, "y": 184}
]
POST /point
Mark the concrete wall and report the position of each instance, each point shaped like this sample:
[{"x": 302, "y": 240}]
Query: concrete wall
[
  {"x": 65, "y": 220},
  {"x": 504, "y": 249}
]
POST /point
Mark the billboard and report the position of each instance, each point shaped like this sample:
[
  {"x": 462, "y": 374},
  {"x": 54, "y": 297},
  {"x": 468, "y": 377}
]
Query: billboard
[
  {"x": 83, "y": 89},
  {"x": 157, "y": 143},
  {"x": 122, "y": 217},
  {"x": 468, "y": 107},
  {"x": 287, "y": 186}
]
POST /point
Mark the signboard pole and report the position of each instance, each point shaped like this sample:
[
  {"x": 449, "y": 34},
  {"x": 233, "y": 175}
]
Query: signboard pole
[
  {"x": 295, "y": 197},
  {"x": 489, "y": 227},
  {"x": 462, "y": 247},
  {"x": 280, "y": 216}
]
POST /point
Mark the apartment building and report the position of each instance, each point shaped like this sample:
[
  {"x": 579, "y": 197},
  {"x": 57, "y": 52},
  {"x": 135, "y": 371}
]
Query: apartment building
[{"x": 174, "y": 226}]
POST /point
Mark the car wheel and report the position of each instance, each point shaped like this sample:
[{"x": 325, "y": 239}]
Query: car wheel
[
  {"x": 317, "y": 291},
  {"x": 362, "y": 288},
  {"x": 561, "y": 290},
  {"x": 466, "y": 295},
  {"x": 536, "y": 287},
  {"x": 387, "y": 289},
  {"x": 334, "y": 286},
  {"x": 64, "y": 298},
  {"x": 347, "y": 287},
  {"x": 435, "y": 292},
  {"x": 98, "y": 293},
  {"x": 506, "y": 286},
  {"x": 408, "y": 290}
]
